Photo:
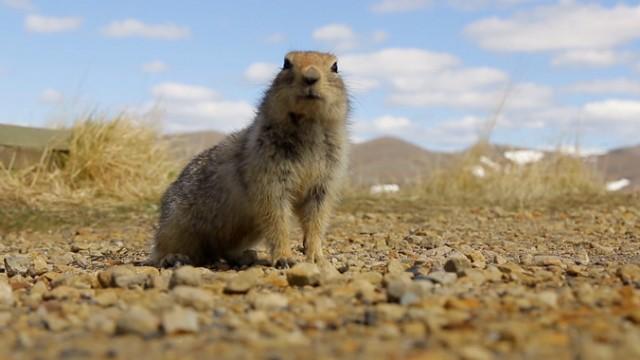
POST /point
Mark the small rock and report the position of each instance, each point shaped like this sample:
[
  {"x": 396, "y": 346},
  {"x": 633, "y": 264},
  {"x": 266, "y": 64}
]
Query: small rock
[
  {"x": 131, "y": 281},
  {"x": 477, "y": 259},
  {"x": 101, "y": 323},
  {"x": 6, "y": 293},
  {"x": 442, "y": 277},
  {"x": 5, "y": 318},
  {"x": 498, "y": 259},
  {"x": 63, "y": 292},
  {"x": 123, "y": 276},
  {"x": 476, "y": 276},
  {"x": 55, "y": 323},
  {"x": 242, "y": 283},
  {"x": 547, "y": 298},
  {"x": 629, "y": 274},
  {"x": 106, "y": 298},
  {"x": 180, "y": 320},
  {"x": 409, "y": 298},
  {"x": 475, "y": 352},
  {"x": 388, "y": 331},
  {"x": 397, "y": 287},
  {"x": 17, "y": 264},
  {"x": 548, "y": 260},
  {"x": 390, "y": 312},
  {"x": 303, "y": 274},
  {"x": 38, "y": 266},
  {"x": 395, "y": 266},
  {"x": 364, "y": 290},
  {"x": 186, "y": 275},
  {"x": 196, "y": 298},
  {"x": 64, "y": 259},
  {"x": 526, "y": 259},
  {"x": 582, "y": 258},
  {"x": 271, "y": 301},
  {"x": 329, "y": 274},
  {"x": 375, "y": 278},
  {"x": 137, "y": 320},
  {"x": 457, "y": 264}
]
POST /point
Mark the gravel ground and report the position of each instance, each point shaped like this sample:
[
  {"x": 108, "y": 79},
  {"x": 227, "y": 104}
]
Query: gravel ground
[{"x": 405, "y": 282}]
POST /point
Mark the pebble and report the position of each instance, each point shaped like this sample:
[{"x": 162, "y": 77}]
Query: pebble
[
  {"x": 270, "y": 302},
  {"x": 186, "y": 275},
  {"x": 548, "y": 260},
  {"x": 137, "y": 320},
  {"x": 303, "y": 274},
  {"x": 180, "y": 320},
  {"x": 5, "y": 319},
  {"x": 629, "y": 274},
  {"x": 243, "y": 282},
  {"x": 442, "y": 277},
  {"x": 457, "y": 264},
  {"x": 17, "y": 264},
  {"x": 38, "y": 266},
  {"x": 196, "y": 298},
  {"x": 123, "y": 276},
  {"x": 6, "y": 294},
  {"x": 395, "y": 266},
  {"x": 101, "y": 323}
]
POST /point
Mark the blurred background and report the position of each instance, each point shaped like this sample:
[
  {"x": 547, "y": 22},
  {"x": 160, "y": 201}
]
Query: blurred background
[{"x": 487, "y": 85}]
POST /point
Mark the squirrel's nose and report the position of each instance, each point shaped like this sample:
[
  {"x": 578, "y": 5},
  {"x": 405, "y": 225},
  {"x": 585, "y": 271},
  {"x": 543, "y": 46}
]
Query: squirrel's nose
[{"x": 311, "y": 75}]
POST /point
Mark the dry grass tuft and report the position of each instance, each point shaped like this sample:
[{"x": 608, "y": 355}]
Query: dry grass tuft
[
  {"x": 555, "y": 179},
  {"x": 110, "y": 161}
]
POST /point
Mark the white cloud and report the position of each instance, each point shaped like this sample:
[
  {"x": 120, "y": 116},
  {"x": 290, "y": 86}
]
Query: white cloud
[
  {"x": 396, "y": 62},
  {"x": 51, "y": 96},
  {"x": 566, "y": 26},
  {"x": 480, "y": 4},
  {"x": 379, "y": 36},
  {"x": 261, "y": 72},
  {"x": 361, "y": 84},
  {"x": 614, "y": 111},
  {"x": 25, "y": 5},
  {"x": 194, "y": 107},
  {"x": 391, "y": 123},
  {"x": 137, "y": 28},
  {"x": 390, "y": 6},
  {"x": 276, "y": 38},
  {"x": 416, "y": 77},
  {"x": 183, "y": 92},
  {"x": 155, "y": 66},
  {"x": 339, "y": 36},
  {"x": 592, "y": 58},
  {"x": 609, "y": 86},
  {"x": 51, "y": 24}
]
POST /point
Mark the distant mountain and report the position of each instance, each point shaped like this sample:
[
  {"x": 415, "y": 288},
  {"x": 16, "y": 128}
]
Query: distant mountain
[
  {"x": 621, "y": 163},
  {"x": 391, "y": 160},
  {"x": 184, "y": 146}
]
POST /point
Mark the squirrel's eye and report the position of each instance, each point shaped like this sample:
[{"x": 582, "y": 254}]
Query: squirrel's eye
[
  {"x": 287, "y": 64},
  {"x": 334, "y": 67}
]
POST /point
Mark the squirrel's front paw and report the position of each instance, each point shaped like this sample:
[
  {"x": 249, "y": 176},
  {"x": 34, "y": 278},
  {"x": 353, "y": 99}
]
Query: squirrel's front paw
[
  {"x": 282, "y": 259},
  {"x": 174, "y": 260}
]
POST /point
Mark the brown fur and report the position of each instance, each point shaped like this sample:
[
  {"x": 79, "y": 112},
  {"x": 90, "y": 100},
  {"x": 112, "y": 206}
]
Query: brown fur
[{"x": 289, "y": 161}]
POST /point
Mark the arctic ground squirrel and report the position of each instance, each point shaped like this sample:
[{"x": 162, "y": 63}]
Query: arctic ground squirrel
[{"x": 289, "y": 161}]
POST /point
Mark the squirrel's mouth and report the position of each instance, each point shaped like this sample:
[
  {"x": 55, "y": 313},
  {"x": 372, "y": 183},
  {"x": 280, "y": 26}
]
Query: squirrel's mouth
[{"x": 309, "y": 94}]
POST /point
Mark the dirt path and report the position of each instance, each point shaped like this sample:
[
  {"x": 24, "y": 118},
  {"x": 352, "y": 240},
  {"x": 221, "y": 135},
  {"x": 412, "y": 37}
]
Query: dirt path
[{"x": 406, "y": 282}]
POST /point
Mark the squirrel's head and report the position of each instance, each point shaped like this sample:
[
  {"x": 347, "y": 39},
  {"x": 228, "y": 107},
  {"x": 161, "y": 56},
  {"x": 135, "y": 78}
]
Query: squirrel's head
[{"x": 309, "y": 83}]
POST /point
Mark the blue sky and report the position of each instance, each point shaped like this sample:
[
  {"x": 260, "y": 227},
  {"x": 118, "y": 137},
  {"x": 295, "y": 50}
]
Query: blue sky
[{"x": 431, "y": 72}]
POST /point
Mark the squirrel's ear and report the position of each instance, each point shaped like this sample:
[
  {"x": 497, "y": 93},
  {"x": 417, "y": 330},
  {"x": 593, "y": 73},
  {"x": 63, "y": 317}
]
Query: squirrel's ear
[
  {"x": 287, "y": 64},
  {"x": 334, "y": 67}
]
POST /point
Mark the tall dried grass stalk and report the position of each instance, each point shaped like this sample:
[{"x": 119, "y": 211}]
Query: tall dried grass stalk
[{"x": 112, "y": 160}]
